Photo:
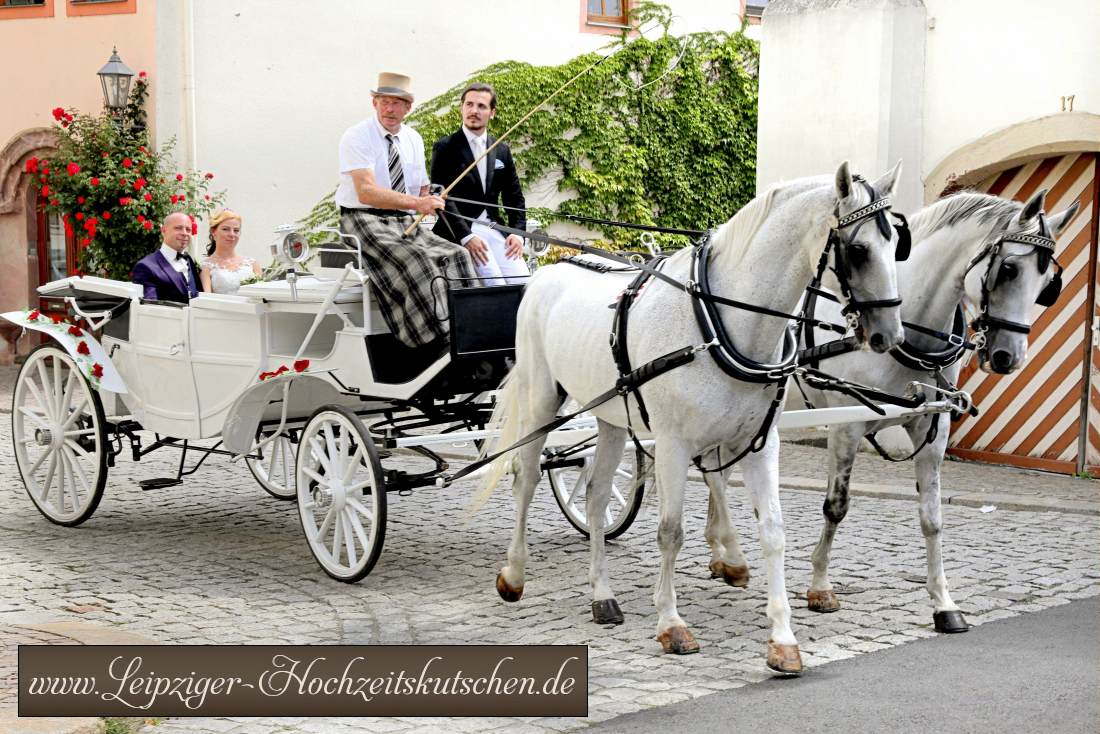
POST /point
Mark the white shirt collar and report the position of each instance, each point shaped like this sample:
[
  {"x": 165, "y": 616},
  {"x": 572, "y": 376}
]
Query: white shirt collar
[
  {"x": 470, "y": 137},
  {"x": 168, "y": 252}
]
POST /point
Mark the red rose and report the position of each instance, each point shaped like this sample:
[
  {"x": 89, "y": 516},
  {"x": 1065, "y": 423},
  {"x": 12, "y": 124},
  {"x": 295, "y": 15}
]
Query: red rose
[
  {"x": 194, "y": 227},
  {"x": 123, "y": 201},
  {"x": 105, "y": 154},
  {"x": 106, "y": 216},
  {"x": 142, "y": 75},
  {"x": 53, "y": 202},
  {"x": 127, "y": 163},
  {"x": 80, "y": 200},
  {"x": 56, "y": 318},
  {"x": 207, "y": 197},
  {"x": 72, "y": 169},
  {"x": 45, "y": 189},
  {"x": 31, "y": 165},
  {"x": 86, "y": 241},
  {"x": 148, "y": 197},
  {"x": 82, "y": 347},
  {"x": 147, "y": 224},
  {"x": 64, "y": 123},
  {"x": 173, "y": 198},
  {"x": 141, "y": 217},
  {"x": 179, "y": 176},
  {"x": 97, "y": 370},
  {"x": 58, "y": 113},
  {"x": 80, "y": 216},
  {"x": 140, "y": 184},
  {"x": 123, "y": 183},
  {"x": 301, "y": 365},
  {"x": 143, "y": 149},
  {"x": 209, "y": 176},
  {"x": 75, "y": 330},
  {"x": 33, "y": 315},
  {"x": 94, "y": 181}
]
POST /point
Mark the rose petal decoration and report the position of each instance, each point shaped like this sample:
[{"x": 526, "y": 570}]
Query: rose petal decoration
[
  {"x": 76, "y": 330},
  {"x": 301, "y": 365},
  {"x": 82, "y": 347},
  {"x": 97, "y": 370}
]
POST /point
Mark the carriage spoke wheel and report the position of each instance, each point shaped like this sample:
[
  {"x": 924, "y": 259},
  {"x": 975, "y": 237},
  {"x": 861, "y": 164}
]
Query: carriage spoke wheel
[
  {"x": 341, "y": 494},
  {"x": 275, "y": 469},
  {"x": 570, "y": 487},
  {"x": 60, "y": 436}
]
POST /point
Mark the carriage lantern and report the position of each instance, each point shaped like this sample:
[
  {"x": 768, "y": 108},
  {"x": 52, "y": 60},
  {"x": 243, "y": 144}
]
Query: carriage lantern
[
  {"x": 115, "y": 77},
  {"x": 290, "y": 248}
]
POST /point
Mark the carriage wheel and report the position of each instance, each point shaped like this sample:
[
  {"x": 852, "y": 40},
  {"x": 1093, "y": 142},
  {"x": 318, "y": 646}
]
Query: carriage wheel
[
  {"x": 60, "y": 436},
  {"x": 275, "y": 471},
  {"x": 341, "y": 493},
  {"x": 570, "y": 486}
]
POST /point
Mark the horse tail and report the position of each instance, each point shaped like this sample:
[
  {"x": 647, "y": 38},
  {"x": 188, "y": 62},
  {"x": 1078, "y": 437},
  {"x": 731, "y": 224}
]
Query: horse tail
[{"x": 505, "y": 419}]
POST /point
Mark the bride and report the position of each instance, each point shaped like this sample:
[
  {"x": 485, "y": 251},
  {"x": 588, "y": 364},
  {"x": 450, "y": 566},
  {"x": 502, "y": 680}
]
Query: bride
[{"x": 223, "y": 269}]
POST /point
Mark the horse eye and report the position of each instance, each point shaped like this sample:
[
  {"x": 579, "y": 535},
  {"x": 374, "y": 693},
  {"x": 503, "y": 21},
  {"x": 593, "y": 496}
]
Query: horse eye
[
  {"x": 857, "y": 254},
  {"x": 1009, "y": 271}
]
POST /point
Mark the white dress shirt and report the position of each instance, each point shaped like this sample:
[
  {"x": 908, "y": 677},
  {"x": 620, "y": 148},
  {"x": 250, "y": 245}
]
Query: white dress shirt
[
  {"x": 364, "y": 147},
  {"x": 179, "y": 265}
]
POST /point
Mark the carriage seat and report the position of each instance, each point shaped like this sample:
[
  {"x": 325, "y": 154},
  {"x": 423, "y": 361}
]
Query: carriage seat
[{"x": 310, "y": 289}]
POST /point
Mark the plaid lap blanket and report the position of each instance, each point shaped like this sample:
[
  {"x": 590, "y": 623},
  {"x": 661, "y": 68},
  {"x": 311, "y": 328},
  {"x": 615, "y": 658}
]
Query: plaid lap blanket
[{"x": 407, "y": 273}]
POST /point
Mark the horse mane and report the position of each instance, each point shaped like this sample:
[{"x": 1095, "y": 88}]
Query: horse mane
[
  {"x": 730, "y": 241},
  {"x": 956, "y": 208}
]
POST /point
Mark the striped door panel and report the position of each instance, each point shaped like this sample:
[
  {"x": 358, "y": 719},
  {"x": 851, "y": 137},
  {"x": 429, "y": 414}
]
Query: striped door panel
[{"x": 1034, "y": 416}]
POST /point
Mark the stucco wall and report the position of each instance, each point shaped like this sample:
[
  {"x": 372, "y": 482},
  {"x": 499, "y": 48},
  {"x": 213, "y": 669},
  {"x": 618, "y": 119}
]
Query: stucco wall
[
  {"x": 52, "y": 62},
  {"x": 995, "y": 63},
  {"x": 277, "y": 83},
  {"x": 873, "y": 80}
]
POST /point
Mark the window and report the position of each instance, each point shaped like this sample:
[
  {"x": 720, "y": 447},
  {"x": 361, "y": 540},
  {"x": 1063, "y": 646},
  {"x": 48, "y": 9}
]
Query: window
[
  {"x": 12, "y": 9},
  {"x": 79, "y": 8},
  {"x": 754, "y": 10},
  {"x": 607, "y": 12}
]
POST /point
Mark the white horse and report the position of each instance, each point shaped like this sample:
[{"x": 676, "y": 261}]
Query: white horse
[
  {"x": 764, "y": 256},
  {"x": 965, "y": 251}
]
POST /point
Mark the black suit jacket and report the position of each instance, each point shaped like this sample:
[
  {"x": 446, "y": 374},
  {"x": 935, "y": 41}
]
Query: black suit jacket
[{"x": 450, "y": 156}]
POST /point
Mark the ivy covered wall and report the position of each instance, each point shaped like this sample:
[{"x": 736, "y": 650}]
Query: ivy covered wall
[{"x": 663, "y": 132}]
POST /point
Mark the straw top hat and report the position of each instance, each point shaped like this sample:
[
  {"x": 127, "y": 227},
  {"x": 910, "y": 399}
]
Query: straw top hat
[{"x": 393, "y": 85}]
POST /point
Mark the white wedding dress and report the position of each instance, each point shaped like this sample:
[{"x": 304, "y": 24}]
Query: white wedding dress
[{"x": 227, "y": 280}]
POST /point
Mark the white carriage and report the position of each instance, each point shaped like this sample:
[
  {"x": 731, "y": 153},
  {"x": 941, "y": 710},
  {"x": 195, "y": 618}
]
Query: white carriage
[{"x": 300, "y": 377}]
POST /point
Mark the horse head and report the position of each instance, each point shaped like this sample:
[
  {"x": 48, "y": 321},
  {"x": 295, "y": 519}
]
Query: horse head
[
  {"x": 864, "y": 246},
  {"x": 1014, "y": 270}
]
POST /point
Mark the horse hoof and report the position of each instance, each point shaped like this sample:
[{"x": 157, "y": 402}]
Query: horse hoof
[
  {"x": 732, "y": 575},
  {"x": 678, "y": 641},
  {"x": 950, "y": 621},
  {"x": 507, "y": 591},
  {"x": 822, "y": 601},
  {"x": 606, "y": 611},
  {"x": 784, "y": 659}
]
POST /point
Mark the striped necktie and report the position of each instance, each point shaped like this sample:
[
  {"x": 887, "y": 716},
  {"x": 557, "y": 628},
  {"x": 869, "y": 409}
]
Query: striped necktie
[{"x": 397, "y": 177}]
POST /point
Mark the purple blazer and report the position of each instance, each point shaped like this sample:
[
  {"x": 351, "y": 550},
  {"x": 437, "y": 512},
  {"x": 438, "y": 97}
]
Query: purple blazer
[{"x": 162, "y": 282}]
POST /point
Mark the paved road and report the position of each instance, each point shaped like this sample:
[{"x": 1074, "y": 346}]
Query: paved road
[
  {"x": 1031, "y": 673},
  {"x": 217, "y": 561}
]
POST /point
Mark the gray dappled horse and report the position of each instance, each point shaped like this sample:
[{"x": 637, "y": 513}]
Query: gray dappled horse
[
  {"x": 765, "y": 255},
  {"x": 995, "y": 254}
]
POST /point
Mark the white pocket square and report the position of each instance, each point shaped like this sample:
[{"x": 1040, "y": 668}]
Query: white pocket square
[{"x": 498, "y": 164}]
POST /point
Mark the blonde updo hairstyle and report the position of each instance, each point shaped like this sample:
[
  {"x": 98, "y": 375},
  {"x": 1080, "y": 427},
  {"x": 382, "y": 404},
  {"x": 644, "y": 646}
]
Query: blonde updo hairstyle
[{"x": 220, "y": 216}]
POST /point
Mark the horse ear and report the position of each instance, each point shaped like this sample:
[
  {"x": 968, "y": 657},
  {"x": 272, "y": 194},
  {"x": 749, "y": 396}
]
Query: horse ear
[
  {"x": 1058, "y": 222},
  {"x": 843, "y": 182},
  {"x": 887, "y": 185},
  {"x": 1033, "y": 206}
]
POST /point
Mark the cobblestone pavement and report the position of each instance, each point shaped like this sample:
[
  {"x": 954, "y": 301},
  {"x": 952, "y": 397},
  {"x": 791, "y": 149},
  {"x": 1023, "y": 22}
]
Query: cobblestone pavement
[{"x": 218, "y": 561}]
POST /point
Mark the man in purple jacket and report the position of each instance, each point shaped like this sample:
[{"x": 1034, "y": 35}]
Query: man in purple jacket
[{"x": 169, "y": 274}]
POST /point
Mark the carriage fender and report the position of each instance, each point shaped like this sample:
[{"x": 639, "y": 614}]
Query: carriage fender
[
  {"x": 239, "y": 431},
  {"x": 109, "y": 380}
]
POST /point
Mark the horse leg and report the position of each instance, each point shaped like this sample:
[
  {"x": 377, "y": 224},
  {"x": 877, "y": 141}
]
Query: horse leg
[
  {"x": 670, "y": 470},
  {"x": 539, "y": 401},
  {"x": 609, "y": 451},
  {"x": 761, "y": 472},
  {"x": 945, "y": 615},
  {"x": 727, "y": 562},
  {"x": 843, "y": 446}
]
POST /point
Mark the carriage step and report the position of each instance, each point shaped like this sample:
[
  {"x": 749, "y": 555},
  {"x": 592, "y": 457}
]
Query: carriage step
[{"x": 159, "y": 483}]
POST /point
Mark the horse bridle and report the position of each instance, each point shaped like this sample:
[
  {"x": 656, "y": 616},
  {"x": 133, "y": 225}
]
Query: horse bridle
[
  {"x": 1044, "y": 245},
  {"x": 841, "y": 246}
]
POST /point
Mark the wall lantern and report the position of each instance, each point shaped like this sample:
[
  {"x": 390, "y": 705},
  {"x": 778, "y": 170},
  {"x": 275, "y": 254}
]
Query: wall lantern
[{"x": 115, "y": 77}]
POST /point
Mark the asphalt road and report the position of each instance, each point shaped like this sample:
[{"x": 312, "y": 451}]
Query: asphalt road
[{"x": 1033, "y": 673}]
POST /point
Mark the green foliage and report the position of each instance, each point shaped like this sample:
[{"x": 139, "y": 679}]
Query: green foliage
[
  {"x": 648, "y": 136},
  {"x": 112, "y": 189}
]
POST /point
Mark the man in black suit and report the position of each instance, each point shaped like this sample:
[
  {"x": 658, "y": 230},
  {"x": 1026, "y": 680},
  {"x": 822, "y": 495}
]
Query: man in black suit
[{"x": 492, "y": 182}]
